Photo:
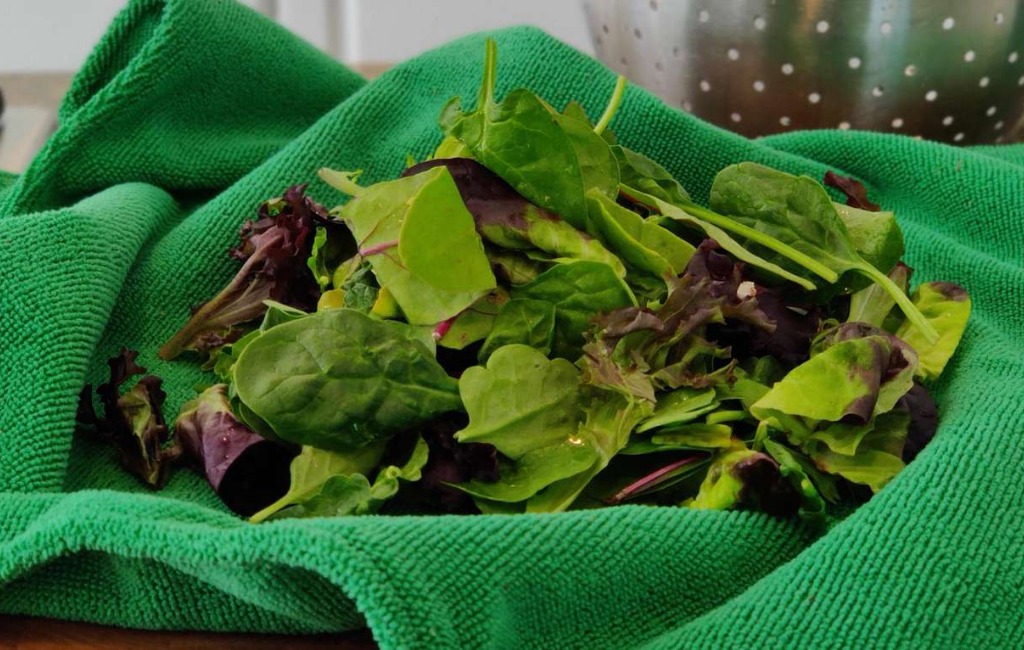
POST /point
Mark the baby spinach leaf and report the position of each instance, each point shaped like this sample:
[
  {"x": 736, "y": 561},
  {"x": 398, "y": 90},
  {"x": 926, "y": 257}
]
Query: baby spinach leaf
[
  {"x": 640, "y": 172},
  {"x": 476, "y": 322},
  {"x": 549, "y": 158},
  {"x": 948, "y": 308},
  {"x": 610, "y": 419},
  {"x": 693, "y": 436},
  {"x": 873, "y": 304},
  {"x": 580, "y": 291},
  {"x": 534, "y": 471},
  {"x": 506, "y": 219},
  {"x": 438, "y": 240},
  {"x": 876, "y": 236},
  {"x": 678, "y": 407},
  {"x": 376, "y": 217},
  {"x": 714, "y": 226},
  {"x": 520, "y": 401},
  {"x": 339, "y": 379},
  {"x": 312, "y": 468},
  {"x": 529, "y": 322},
  {"x": 642, "y": 244},
  {"x": 798, "y": 211}
]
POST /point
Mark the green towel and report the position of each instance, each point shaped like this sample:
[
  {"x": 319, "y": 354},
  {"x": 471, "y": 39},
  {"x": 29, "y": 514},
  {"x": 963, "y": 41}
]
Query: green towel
[{"x": 190, "y": 112}]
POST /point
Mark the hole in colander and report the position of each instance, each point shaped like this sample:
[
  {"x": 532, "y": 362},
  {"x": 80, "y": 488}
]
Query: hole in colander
[
  {"x": 983, "y": 82},
  {"x": 787, "y": 68},
  {"x": 1020, "y": 80},
  {"x": 878, "y": 91},
  {"x": 814, "y": 98},
  {"x": 845, "y": 126},
  {"x": 659, "y": 66},
  {"x": 958, "y": 137},
  {"x": 910, "y": 70},
  {"x": 948, "y": 23},
  {"x": 637, "y": 33},
  {"x": 687, "y": 106},
  {"x": 733, "y": 54},
  {"x": 999, "y": 139},
  {"x": 623, "y": 61},
  {"x": 990, "y": 111},
  {"x": 704, "y": 16},
  {"x": 885, "y": 28},
  {"x": 758, "y": 86},
  {"x": 705, "y": 85},
  {"x": 1000, "y": 18},
  {"x": 759, "y": 23},
  {"x": 998, "y": 125},
  {"x": 822, "y": 26},
  {"x": 676, "y": 51},
  {"x": 969, "y": 56},
  {"x": 946, "y": 121},
  {"x": 854, "y": 62},
  {"x": 897, "y": 123},
  {"x": 1013, "y": 57},
  {"x": 735, "y": 117},
  {"x": 654, "y": 5},
  {"x": 604, "y": 28},
  {"x": 784, "y": 120},
  {"x": 930, "y": 96}
]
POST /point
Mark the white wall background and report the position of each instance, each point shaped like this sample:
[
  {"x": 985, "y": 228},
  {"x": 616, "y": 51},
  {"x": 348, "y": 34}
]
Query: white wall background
[{"x": 56, "y": 35}]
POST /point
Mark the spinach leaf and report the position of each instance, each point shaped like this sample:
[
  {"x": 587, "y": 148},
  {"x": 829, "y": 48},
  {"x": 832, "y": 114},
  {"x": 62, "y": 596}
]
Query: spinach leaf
[
  {"x": 520, "y": 401},
  {"x": 947, "y": 307},
  {"x": 328, "y": 484},
  {"x": 798, "y": 211},
  {"x": 678, "y": 407},
  {"x": 876, "y": 236},
  {"x": 476, "y": 322},
  {"x": 641, "y": 173},
  {"x": 504, "y": 218},
  {"x": 529, "y": 322},
  {"x": 377, "y": 217},
  {"x": 526, "y": 406},
  {"x": 339, "y": 379},
  {"x": 642, "y": 244},
  {"x": 580, "y": 291},
  {"x": 313, "y": 467},
  {"x": 872, "y": 304},
  {"x": 549, "y": 158},
  {"x": 610, "y": 419},
  {"x": 438, "y": 240},
  {"x": 714, "y": 226}
]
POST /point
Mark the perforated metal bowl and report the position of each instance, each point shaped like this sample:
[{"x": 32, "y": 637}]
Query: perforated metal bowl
[{"x": 942, "y": 70}]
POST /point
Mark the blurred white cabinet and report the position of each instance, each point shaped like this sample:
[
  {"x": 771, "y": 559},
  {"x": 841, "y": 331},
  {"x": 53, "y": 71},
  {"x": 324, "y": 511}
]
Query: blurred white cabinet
[{"x": 54, "y": 35}]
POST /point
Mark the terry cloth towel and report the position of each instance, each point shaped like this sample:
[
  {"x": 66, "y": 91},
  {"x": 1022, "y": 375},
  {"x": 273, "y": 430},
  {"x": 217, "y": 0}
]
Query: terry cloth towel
[{"x": 190, "y": 112}]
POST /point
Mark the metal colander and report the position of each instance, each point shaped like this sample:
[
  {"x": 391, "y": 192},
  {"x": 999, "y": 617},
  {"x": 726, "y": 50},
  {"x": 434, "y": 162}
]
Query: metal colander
[{"x": 941, "y": 70}]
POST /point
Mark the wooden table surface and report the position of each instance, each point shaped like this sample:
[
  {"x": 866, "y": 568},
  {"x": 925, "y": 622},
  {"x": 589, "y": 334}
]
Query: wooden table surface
[
  {"x": 30, "y": 99},
  {"x": 25, "y": 633}
]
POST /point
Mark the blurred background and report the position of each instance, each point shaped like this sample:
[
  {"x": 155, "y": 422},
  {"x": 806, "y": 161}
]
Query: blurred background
[{"x": 935, "y": 69}]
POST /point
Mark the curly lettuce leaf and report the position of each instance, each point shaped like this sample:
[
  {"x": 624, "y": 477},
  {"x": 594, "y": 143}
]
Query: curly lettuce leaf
[{"x": 274, "y": 251}]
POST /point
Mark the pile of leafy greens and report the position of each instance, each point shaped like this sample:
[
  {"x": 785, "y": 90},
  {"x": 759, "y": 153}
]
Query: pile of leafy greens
[{"x": 538, "y": 318}]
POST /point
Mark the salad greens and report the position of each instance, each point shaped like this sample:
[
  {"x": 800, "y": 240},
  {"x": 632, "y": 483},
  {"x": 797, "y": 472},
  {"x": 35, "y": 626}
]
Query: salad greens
[{"x": 539, "y": 318}]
